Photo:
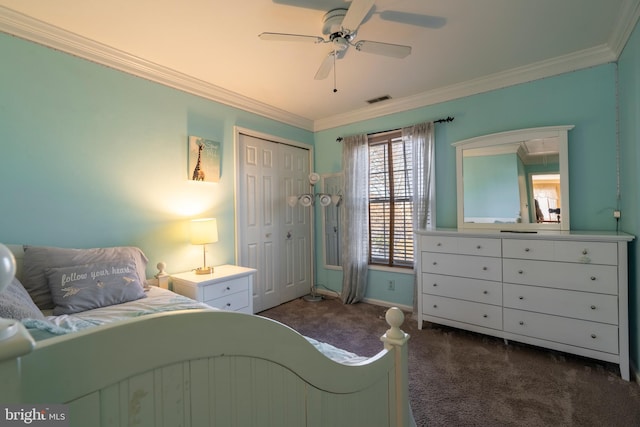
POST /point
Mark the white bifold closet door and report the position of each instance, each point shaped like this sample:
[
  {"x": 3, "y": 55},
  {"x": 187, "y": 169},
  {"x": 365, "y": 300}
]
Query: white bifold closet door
[{"x": 273, "y": 237}]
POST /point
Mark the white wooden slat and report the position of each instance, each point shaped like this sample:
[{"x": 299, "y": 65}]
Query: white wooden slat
[
  {"x": 110, "y": 406},
  {"x": 85, "y": 411},
  {"x": 200, "y": 398},
  {"x": 141, "y": 401}
]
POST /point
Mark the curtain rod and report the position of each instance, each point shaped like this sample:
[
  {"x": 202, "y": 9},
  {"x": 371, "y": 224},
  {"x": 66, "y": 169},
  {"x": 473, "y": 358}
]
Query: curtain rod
[{"x": 447, "y": 120}]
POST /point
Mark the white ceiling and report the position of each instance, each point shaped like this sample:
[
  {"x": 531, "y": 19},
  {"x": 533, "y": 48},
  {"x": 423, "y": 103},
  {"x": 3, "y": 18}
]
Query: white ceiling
[{"x": 210, "y": 47}]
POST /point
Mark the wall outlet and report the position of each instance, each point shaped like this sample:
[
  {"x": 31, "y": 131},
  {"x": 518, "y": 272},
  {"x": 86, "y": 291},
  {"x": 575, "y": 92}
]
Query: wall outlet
[
  {"x": 616, "y": 213},
  {"x": 392, "y": 285}
]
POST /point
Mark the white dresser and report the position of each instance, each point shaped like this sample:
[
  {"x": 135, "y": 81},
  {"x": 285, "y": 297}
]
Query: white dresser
[
  {"x": 566, "y": 291},
  {"x": 229, "y": 287}
]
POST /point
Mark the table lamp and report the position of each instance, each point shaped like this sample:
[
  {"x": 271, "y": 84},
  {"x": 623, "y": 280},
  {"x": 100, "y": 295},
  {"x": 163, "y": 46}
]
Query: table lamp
[{"x": 203, "y": 232}]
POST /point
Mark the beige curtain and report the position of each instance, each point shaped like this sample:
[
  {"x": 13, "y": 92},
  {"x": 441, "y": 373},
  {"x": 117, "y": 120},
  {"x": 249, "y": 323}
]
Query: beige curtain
[{"x": 355, "y": 218}]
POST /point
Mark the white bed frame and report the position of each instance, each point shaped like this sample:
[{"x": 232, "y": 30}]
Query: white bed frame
[{"x": 205, "y": 368}]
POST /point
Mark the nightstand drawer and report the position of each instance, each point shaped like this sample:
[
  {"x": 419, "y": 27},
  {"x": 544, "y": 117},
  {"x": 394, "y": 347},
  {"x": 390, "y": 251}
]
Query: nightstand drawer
[
  {"x": 232, "y": 302},
  {"x": 218, "y": 290}
]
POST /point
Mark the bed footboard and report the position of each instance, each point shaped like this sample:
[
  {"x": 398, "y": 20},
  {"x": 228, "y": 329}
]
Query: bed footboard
[{"x": 210, "y": 368}]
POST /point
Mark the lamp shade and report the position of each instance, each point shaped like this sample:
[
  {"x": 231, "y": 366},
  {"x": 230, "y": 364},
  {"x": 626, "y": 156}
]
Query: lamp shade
[
  {"x": 7, "y": 267},
  {"x": 204, "y": 231}
]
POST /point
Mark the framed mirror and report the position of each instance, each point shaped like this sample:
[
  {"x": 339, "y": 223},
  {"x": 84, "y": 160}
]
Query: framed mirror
[
  {"x": 516, "y": 180},
  {"x": 331, "y": 221}
]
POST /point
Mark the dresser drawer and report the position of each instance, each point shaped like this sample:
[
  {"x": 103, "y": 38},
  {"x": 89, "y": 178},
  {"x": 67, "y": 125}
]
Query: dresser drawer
[
  {"x": 560, "y": 302},
  {"x": 217, "y": 290},
  {"x": 461, "y": 245},
  {"x": 579, "y": 333},
  {"x": 566, "y": 251},
  {"x": 232, "y": 302},
  {"x": 478, "y": 267},
  {"x": 580, "y": 277},
  {"x": 488, "y": 316},
  {"x": 483, "y": 291}
]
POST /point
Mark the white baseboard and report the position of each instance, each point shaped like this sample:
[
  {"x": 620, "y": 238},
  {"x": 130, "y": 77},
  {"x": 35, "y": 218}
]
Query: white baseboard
[{"x": 333, "y": 294}]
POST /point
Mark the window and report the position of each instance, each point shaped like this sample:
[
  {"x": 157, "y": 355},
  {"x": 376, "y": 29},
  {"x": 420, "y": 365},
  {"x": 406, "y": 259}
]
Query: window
[{"x": 390, "y": 200}]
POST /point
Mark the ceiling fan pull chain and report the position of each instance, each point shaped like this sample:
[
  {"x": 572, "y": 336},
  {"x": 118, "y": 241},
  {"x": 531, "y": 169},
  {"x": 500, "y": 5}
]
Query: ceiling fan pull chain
[{"x": 334, "y": 72}]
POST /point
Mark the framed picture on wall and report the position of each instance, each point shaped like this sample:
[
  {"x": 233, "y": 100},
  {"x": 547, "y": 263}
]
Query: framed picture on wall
[{"x": 204, "y": 159}]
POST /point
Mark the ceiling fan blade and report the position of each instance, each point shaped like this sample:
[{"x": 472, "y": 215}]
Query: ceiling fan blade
[
  {"x": 386, "y": 49},
  {"x": 356, "y": 13},
  {"x": 290, "y": 37},
  {"x": 416, "y": 19},
  {"x": 326, "y": 66}
]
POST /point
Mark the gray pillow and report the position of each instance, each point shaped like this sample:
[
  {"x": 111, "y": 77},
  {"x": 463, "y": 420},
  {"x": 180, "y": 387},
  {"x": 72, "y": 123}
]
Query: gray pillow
[
  {"x": 85, "y": 287},
  {"x": 15, "y": 303},
  {"x": 38, "y": 258}
]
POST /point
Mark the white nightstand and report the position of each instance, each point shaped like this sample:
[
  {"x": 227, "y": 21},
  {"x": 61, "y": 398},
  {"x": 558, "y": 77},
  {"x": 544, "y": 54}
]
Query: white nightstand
[{"x": 230, "y": 287}]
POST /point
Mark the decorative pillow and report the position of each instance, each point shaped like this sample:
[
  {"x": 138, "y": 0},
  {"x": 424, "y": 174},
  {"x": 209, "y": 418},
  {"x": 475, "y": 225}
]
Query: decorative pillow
[
  {"x": 84, "y": 287},
  {"x": 38, "y": 258},
  {"x": 15, "y": 303}
]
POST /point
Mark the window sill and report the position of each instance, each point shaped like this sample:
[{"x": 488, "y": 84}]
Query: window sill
[{"x": 399, "y": 270}]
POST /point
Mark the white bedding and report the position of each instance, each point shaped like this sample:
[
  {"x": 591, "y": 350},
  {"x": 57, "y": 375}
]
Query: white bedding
[{"x": 157, "y": 300}]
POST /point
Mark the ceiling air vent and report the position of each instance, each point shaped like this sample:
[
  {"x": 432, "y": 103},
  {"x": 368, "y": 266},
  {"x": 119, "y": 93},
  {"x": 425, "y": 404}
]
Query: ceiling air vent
[{"x": 379, "y": 99}]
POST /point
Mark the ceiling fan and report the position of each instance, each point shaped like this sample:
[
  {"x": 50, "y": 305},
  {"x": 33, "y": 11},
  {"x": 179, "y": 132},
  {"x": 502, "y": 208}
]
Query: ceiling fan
[{"x": 341, "y": 27}]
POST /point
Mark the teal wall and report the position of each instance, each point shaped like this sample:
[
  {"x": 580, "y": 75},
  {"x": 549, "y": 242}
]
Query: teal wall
[
  {"x": 586, "y": 99},
  {"x": 90, "y": 156},
  {"x": 629, "y": 107}
]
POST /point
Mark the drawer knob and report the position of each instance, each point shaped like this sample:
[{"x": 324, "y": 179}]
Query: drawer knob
[
  {"x": 520, "y": 271},
  {"x": 584, "y": 252},
  {"x": 593, "y": 307},
  {"x": 485, "y": 268},
  {"x": 479, "y": 247},
  {"x": 435, "y": 263},
  {"x": 527, "y": 249},
  {"x": 521, "y": 323},
  {"x": 485, "y": 292},
  {"x": 228, "y": 288},
  {"x": 520, "y": 297},
  {"x": 593, "y": 336},
  {"x": 438, "y": 244},
  {"x": 593, "y": 277},
  {"x": 435, "y": 305},
  {"x": 228, "y": 304},
  {"x": 485, "y": 316},
  {"x": 435, "y": 285}
]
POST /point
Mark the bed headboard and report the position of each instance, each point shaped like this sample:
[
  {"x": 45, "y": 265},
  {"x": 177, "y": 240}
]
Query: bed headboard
[{"x": 18, "y": 252}]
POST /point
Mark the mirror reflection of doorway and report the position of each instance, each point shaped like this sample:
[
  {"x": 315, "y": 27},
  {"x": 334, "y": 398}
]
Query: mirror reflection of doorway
[{"x": 546, "y": 196}]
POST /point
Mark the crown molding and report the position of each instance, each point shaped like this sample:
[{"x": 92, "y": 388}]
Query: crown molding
[
  {"x": 629, "y": 15},
  {"x": 25, "y": 27},
  {"x": 575, "y": 61}
]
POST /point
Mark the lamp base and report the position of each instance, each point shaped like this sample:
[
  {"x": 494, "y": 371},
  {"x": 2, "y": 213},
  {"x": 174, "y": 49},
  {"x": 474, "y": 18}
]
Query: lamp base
[{"x": 204, "y": 270}]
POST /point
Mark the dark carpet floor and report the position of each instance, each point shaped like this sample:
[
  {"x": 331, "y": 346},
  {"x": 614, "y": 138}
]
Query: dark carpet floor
[{"x": 460, "y": 378}]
